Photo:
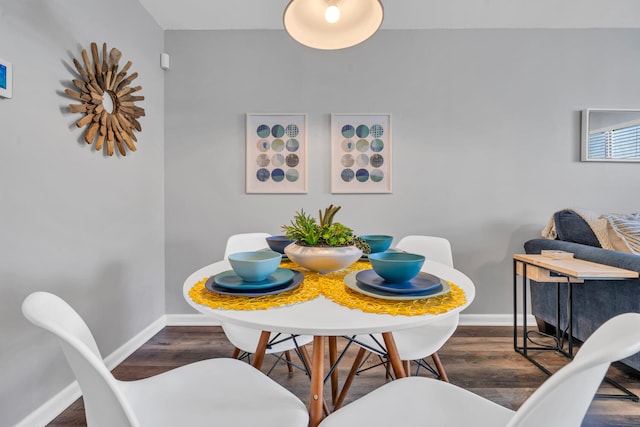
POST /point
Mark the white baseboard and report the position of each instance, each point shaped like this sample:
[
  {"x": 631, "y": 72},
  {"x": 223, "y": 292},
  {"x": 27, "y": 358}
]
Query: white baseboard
[
  {"x": 465, "y": 320},
  {"x": 52, "y": 408},
  {"x": 493, "y": 320},
  {"x": 190, "y": 320},
  {"x": 61, "y": 401},
  {"x": 118, "y": 356}
]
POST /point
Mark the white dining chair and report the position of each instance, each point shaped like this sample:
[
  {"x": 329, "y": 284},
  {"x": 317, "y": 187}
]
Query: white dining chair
[
  {"x": 561, "y": 401},
  {"x": 219, "y": 392},
  {"x": 245, "y": 340},
  {"x": 245, "y": 242},
  {"x": 416, "y": 344}
]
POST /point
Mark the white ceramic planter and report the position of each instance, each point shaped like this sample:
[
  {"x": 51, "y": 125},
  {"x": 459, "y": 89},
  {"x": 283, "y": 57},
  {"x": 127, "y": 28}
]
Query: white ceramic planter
[{"x": 323, "y": 259}]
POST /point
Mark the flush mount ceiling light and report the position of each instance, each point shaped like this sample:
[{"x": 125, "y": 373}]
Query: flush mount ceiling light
[{"x": 332, "y": 24}]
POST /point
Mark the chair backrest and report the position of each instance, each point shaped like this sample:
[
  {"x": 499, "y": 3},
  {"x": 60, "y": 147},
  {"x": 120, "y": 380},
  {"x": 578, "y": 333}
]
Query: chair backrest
[
  {"x": 245, "y": 242},
  {"x": 435, "y": 248},
  {"x": 105, "y": 404},
  {"x": 563, "y": 399}
]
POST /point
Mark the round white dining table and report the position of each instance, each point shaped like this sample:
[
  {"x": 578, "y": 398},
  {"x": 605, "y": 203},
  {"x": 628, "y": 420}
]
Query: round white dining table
[{"x": 321, "y": 317}]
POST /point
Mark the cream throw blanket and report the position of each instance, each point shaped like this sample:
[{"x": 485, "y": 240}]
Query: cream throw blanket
[
  {"x": 627, "y": 227},
  {"x": 614, "y": 231}
]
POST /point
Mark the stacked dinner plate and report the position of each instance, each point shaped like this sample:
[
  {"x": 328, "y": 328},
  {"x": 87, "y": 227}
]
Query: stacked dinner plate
[
  {"x": 424, "y": 285},
  {"x": 229, "y": 283}
]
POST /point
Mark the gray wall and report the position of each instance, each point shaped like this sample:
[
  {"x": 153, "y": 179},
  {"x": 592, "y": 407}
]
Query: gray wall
[
  {"x": 485, "y": 137},
  {"x": 73, "y": 221}
]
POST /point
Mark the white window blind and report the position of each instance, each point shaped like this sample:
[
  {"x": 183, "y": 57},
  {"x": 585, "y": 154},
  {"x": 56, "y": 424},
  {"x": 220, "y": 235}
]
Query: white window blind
[{"x": 623, "y": 143}]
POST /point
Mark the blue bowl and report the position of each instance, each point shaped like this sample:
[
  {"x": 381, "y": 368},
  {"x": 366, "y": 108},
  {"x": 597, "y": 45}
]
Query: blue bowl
[
  {"x": 396, "y": 267},
  {"x": 255, "y": 266},
  {"x": 278, "y": 243},
  {"x": 377, "y": 242}
]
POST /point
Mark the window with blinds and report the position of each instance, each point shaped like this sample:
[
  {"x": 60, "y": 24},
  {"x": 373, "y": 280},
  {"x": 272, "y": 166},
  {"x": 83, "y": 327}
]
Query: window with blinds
[{"x": 623, "y": 143}]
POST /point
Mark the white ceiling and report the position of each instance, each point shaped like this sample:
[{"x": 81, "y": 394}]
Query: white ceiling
[{"x": 407, "y": 14}]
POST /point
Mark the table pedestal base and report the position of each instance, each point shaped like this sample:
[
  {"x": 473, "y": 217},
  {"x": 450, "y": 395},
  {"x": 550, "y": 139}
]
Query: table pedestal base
[{"x": 317, "y": 405}]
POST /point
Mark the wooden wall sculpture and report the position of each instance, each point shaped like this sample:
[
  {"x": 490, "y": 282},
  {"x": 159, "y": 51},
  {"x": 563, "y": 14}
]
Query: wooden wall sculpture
[{"x": 113, "y": 128}]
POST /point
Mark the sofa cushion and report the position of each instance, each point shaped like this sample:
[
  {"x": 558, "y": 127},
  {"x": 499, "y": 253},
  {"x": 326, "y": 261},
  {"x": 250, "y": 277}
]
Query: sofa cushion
[{"x": 572, "y": 228}]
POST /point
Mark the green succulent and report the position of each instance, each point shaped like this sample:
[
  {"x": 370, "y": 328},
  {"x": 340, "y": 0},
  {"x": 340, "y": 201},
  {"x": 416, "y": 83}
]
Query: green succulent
[
  {"x": 362, "y": 244},
  {"x": 307, "y": 232},
  {"x": 303, "y": 228},
  {"x": 327, "y": 219}
]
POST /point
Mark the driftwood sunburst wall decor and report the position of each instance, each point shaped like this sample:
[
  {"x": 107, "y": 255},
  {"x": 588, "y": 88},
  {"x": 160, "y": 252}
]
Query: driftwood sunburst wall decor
[{"x": 108, "y": 101}]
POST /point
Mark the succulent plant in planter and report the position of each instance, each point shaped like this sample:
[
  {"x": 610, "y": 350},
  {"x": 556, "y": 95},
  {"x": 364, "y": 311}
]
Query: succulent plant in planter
[
  {"x": 323, "y": 245},
  {"x": 307, "y": 232}
]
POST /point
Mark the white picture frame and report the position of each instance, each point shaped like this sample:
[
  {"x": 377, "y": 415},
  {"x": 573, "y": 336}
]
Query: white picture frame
[
  {"x": 6, "y": 79},
  {"x": 361, "y": 153},
  {"x": 276, "y": 153}
]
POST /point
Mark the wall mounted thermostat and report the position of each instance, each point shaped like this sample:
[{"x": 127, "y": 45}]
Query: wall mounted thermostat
[{"x": 6, "y": 79}]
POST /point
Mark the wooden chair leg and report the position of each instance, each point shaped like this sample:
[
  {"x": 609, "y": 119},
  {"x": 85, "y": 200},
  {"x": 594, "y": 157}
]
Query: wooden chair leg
[
  {"x": 306, "y": 358},
  {"x": 407, "y": 368},
  {"x": 236, "y": 353},
  {"x": 287, "y": 356},
  {"x": 325, "y": 407},
  {"x": 439, "y": 367},
  {"x": 394, "y": 358},
  {"x": 352, "y": 373},
  {"x": 261, "y": 349},
  {"x": 387, "y": 367}
]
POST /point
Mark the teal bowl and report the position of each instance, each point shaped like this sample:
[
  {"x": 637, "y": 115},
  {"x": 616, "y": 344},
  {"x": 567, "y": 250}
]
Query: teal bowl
[
  {"x": 396, "y": 267},
  {"x": 278, "y": 243},
  {"x": 255, "y": 266},
  {"x": 377, "y": 242}
]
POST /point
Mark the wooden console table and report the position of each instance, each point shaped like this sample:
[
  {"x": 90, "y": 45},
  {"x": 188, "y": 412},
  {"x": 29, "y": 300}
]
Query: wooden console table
[{"x": 559, "y": 271}]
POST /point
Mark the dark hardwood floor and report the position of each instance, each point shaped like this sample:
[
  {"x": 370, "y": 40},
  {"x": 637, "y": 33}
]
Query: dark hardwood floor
[{"x": 480, "y": 359}]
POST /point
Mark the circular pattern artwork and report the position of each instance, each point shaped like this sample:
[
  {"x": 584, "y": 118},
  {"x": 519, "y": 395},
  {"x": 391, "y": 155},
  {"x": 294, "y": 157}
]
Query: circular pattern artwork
[
  {"x": 107, "y": 101},
  {"x": 277, "y": 145},
  {"x": 275, "y": 154},
  {"x": 361, "y": 153}
]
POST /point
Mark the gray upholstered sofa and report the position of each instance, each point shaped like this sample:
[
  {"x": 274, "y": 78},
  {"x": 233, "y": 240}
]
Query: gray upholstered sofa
[{"x": 594, "y": 301}]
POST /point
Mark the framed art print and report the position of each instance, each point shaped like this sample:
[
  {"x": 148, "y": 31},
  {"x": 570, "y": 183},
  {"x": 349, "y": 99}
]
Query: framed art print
[
  {"x": 361, "y": 153},
  {"x": 276, "y": 153},
  {"x": 6, "y": 79}
]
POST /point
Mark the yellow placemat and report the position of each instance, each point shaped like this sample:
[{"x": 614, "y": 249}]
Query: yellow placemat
[
  {"x": 332, "y": 286},
  {"x": 435, "y": 305}
]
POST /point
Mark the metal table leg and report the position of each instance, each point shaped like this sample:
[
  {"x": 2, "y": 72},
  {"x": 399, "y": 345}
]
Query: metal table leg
[{"x": 524, "y": 349}]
